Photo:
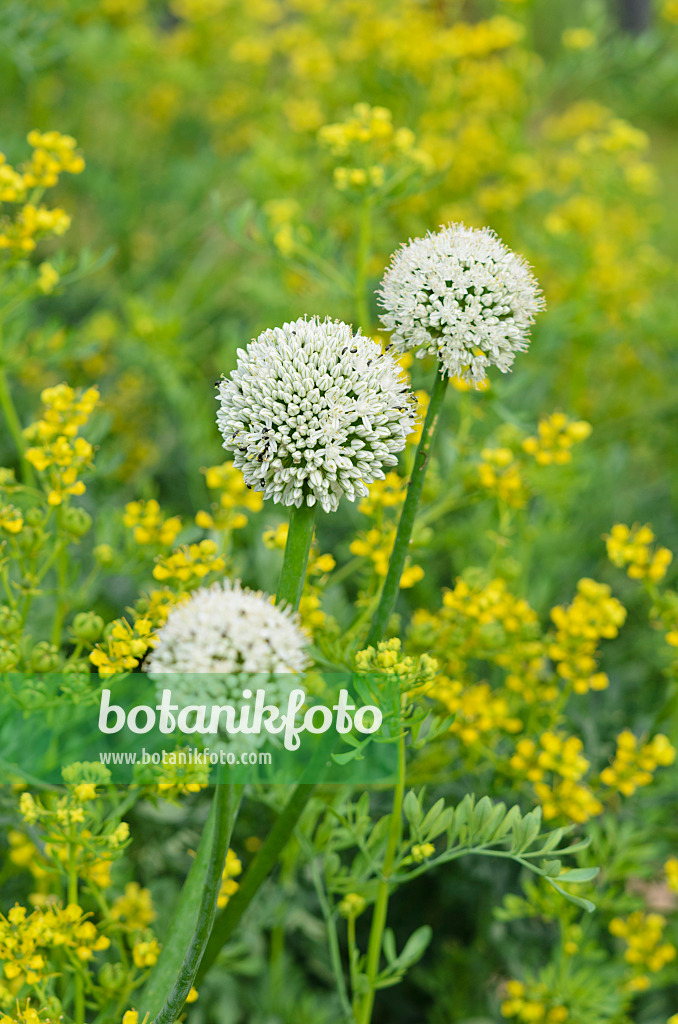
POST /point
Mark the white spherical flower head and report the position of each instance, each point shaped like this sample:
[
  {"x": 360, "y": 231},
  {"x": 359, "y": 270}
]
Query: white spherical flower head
[
  {"x": 462, "y": 295},
  {"x": 229, "y": 628},
  {"x": 313, "y": 412},
  {"x": 226, "y": 639}
]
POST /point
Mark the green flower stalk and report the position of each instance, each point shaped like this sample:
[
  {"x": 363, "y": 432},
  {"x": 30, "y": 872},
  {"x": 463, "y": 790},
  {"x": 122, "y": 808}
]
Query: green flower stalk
[
  {"x": 391, "y": 587},
  {"x": 463, "y": 296},
  {"x": 295, "y": 559},
  {"x": 225, "y": 808}
]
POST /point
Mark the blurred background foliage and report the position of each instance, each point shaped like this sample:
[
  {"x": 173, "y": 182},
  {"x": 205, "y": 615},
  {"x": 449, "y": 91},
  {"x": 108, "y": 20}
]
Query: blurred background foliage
[
  {"x": 225, "y": 204},
  {"x": 250, "y": 161}
]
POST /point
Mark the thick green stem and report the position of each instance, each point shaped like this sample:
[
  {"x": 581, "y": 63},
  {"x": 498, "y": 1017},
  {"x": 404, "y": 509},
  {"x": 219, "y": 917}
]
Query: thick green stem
[
  {"x": 256, "y": 874},
  {"x": 268, "y": 854},
  {"x": 293, "y": 572},
  {"x": 379, "y": 915},
  {"x": 14, "y": 425},
  {"x": 389, "y": 593},
  {"x": 226, "y": 801}
]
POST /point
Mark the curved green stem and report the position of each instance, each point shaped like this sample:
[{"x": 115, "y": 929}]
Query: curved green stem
[
  {"x": 226, "y": 800},
  {"x": 267, "y": 855},
  {"x": 364, "y": 1014},
  {"x": 256, "y": 874},
  {"x": 389, "y": 593},
  {"x": 295, "y": 560}
]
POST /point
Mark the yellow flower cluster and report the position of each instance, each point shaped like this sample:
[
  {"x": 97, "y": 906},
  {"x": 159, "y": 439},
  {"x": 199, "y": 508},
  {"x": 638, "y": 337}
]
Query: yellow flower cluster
[
  {"x": 484, "y": 608},
  {"x": 66, "y": 409},
  {"x": 145, "y": 953},
  {"x": 556, "y": 434},
  {"x": 124, "y": 646},
  {"x": 178, "y": 776},
  {"x": 533, "y": 1005},
  {"x": 56, "y": 449},
  {"x": 478, "y": 712},
  {"x": 388, "y": 493},
  {"x": 24, "y": 1015},
  {"x": 631, "y": 547},
  {"x": 592, "y": 615},
  {"x": 646, "y": 951},
  {"x": 671, "y": 871},
  {"x": 149, "y": 523},
  {"x": 134, "y": 910},
  {"x": 229, "y": 886},
  {"x": 53, "y": 154},
  {"x": 234, "y": 497},
  {"x": 95, "y": 845},
  {"x": 634, "y": 763},
  {"x": 377, "y": 545},
  {"x": 562, "y": 758},
  {"x": 11, "y": 519},
  {"x": 555, "y": 753},
  {"x": 25, "y": 938},
  {"x": 377, "y": 151},
  {"x": 387, "y": 659},
  {"x": 190, "y": 563},
  {"x": 499, "y": 473}
]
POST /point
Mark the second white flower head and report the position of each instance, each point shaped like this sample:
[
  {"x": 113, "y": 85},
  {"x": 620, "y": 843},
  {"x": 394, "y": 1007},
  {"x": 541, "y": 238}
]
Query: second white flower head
[
  {"x": 462, "y": 295},
  {"x": 313, "y": 412}
]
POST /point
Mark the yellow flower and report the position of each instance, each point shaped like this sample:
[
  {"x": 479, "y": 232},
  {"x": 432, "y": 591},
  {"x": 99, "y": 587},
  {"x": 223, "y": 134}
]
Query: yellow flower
[
  {"x": 229, "y": 886},
  {"x": 633, "y": 764},
  {"x": 190, "y": 563},
  {"x": 146, "y": 953},
  {"x": 556, "y": 434},
  {"x": 631, "y": 547},
  {"x": 149, "y": 523},
  {"x": 47, "y": 278}
]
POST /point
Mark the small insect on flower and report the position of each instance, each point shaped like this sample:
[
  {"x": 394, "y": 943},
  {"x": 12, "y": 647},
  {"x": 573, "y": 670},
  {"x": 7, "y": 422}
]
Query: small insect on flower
[
  {"x": 463, "y": 296},
  {"x": 313, "y": 412}
]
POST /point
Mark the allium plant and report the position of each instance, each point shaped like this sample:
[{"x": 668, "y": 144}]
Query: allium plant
[
  {"x": 225, "y": 638},
  {"x": 314, "y": 412},
  {"x": 228, "y": 629},
  {"x": 463, "y": 296}
]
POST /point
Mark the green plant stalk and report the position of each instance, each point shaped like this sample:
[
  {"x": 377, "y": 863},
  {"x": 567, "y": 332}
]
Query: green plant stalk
[
  {"x": 226, "y": 801},
  {"x": 389, "y": 593},
  {"x": 14, "y": 426},
  {"x": 290, "y": 587},
  {"x": 379, "y": 915},
  {"x": 257, "y": 873},
  {"x": 295, "y": 559},
  {"x": 62, "y": 588},
  {"x": 78, "y": 987}
]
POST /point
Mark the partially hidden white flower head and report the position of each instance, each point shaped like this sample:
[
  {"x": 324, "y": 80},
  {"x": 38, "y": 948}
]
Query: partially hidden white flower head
[
  {"x": 224, "y": 641},
  {"x": 462, "y": 295},
  {"x": 313, "y": 412},
  {"x": 229, "y": 628}
]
